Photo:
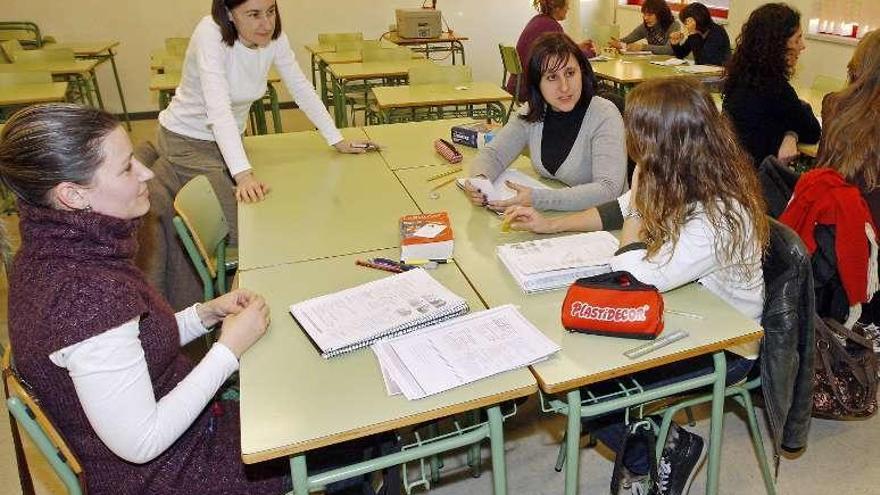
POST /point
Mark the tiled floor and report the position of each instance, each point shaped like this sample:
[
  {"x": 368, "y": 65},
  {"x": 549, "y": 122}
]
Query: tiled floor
[{"x": 839, "y": 460}]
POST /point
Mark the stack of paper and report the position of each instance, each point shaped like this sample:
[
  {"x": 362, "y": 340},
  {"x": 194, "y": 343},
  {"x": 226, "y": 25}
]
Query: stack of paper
[
  {"x": 670, "y": 61},
  {"x": 460, "y": 351},
  {"x": 354, "y": 318},
  {"x": 700, "y": 69},
  {"x": 556, "y": 262},
  {"x": 497, "y": 190}
]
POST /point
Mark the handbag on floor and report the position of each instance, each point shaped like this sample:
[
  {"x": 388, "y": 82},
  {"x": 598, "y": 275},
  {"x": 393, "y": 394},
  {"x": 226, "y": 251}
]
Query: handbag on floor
[{"x": 845, "y": 372}]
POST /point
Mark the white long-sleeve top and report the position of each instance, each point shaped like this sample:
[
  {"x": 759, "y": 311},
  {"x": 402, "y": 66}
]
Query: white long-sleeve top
[
  {"x": 220, "y": 82},
  {"x": 694, "y": 258},
  {"x": 109, "y": 373}
]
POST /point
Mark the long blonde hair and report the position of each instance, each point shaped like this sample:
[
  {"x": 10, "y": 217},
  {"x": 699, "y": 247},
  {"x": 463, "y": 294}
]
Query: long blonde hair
[
  {"x": 689, "y": 156},
  {"x": 851, "y": 118}
]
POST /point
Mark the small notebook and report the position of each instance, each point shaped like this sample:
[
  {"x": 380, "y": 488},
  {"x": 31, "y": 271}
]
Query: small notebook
[
  {"x": 461, "y": 351},
  {"x": 556, "y": 262},
  {"x": 353, "y": 318},
  {"x": 497, "y": 190}
]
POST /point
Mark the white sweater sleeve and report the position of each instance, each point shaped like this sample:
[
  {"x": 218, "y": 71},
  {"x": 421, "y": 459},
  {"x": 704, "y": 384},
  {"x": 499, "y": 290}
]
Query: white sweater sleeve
[
  {"x": 189, "y": 325},
  {"x": 211, "y": 65},
  {"x": 109, "y": 373},
  {"x": 302, "y": 91}
]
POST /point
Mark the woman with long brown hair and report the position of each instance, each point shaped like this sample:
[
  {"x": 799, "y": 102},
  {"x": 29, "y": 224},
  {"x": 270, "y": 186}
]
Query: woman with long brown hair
[
  {"x": 694, "y": 213},
  {"x": 657, "y": 25}
]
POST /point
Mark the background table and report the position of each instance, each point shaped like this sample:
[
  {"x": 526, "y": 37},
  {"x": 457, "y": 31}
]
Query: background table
[
  {"x": 395, "y": 99},
  {"x": 627, "y": 71},
  {"x": 412, "y": 144},
  {"x": 101, "y": 51},
  {"x": 446, "y": 42}
]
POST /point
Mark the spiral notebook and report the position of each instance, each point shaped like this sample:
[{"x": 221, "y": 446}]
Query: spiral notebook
[{"x": 353, "y": 318}]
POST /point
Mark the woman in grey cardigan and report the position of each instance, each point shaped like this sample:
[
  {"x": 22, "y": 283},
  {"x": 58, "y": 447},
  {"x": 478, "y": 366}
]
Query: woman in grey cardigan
[
  {"x": 573, "y": 136},
  {"x": 658, "y": 23}
]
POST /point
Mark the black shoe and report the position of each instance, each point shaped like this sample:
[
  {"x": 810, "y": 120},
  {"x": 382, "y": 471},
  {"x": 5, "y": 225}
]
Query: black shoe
[
  {"x": 682, "y": 456},
  {"x": 632, "y": 484}
]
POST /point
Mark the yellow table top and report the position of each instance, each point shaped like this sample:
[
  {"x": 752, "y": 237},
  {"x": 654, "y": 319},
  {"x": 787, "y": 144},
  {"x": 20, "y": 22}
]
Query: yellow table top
[
  {"x": 57, "y": 68},
  {"x": 316, "y": 48},
  {"x": 449, "y": 37},
  {"x": 584, "y": 359},
  {"x": 370, "y": 70},
  {"x": 295, "y": 411},
  {"x": 420, "y": 95},
  {"x": 169, "y": 81},
  {"x": 348, "y": 57},
  {"x": 323, "y": 203},
  {"x": 412, "y": 144},
  {"x": 23, "y": 94},
  {"x": 88, "y": 48},
  {"x": 637, "y": 69}
]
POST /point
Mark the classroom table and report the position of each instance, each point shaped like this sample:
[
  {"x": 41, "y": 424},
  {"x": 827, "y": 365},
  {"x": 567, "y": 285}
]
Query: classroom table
[
  {"x": 26, "y": 94},
  {"x": 411, "y": 144},
  {"x": 323, "y": 202},
  {"x": 101, "y": 51},
  {"x": 341, "y": 75},
  {"x": 586, "y": 359},
  {"x": 624, "y": 72},
  {"x": 447, "y": 42},
  {"x": 395, "y": 100},
  {"x": 310, "y": 402},
  {"x": 307, "y": 230},
  {"x": 79, "y": 72},
  {"x": 166, "y": 83},
  {"x": 325, "y": 58}
]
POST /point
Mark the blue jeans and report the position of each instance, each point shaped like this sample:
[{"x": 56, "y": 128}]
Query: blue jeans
[{"x": 610, "y": 428}]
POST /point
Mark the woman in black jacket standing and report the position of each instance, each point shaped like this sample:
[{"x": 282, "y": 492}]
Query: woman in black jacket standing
[
  {"x": 708, "y": 41},
  {"x": 769, "y": 117}
]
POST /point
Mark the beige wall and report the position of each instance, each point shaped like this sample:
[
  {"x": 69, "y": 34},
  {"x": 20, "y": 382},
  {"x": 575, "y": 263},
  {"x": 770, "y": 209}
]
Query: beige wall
[
  {"x": 142, "y": 25},
  {"x": 820, "y": 57}
]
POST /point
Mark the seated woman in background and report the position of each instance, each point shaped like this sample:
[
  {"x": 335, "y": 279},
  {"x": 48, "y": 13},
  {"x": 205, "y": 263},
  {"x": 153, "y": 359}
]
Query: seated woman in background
[
  {"x": 658, "y": 24},
  {"x": 706, "y": 40},
  {"x": 550, "y": 14},
  {"x": 694, "y": 213},
  {"x": 769, "y": 117},
  {"x": 97, "y": 344},
  {"x": 573, "y": 136}
]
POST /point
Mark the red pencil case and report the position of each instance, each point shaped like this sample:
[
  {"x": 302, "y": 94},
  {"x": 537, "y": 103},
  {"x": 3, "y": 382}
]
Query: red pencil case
[
  {"x": 613, "y": 304},
  {"x": 447, "y": 151}
]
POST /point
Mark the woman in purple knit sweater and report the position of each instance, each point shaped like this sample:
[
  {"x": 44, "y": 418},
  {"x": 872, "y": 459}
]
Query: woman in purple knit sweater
[
  {"x": 550, "y": 14},
  {"x": 100, "y": 347}
]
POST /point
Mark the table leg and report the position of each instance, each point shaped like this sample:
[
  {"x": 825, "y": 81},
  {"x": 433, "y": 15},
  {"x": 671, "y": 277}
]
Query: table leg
[
  {"x": 460, "y": 47},
  {"x": 276, "y": 109},
  {"x": 339, "y": 103},
  {"x": 299, "y": 475},
  {"x": 93, "y": 78},
  {"x": 572, "y": 442},
  {"x": 715, "y": 427},
  {"x": 112, "y": 57},
  {"x": 322, "y": 75},
  {"x": 496, "y": 443},
  {"x": 314, "y": 72}
]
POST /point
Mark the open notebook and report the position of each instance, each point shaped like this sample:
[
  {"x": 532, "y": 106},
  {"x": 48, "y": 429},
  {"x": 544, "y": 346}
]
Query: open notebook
[
  {"x": 353, "y": 318},
  {"x": 556, "y": 262},
  {"x": 460, "y": 351}
]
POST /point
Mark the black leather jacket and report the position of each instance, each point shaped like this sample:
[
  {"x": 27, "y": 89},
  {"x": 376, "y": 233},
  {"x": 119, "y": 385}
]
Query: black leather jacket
[{"x": 788, "y": 347}]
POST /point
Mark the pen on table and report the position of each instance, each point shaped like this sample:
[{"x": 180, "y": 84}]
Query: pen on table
[
  {"x": 444, "y": 174},
  {"x": 366, "y": 146},
  {"x": 693, "y": 316},
  {"x": 379, "y": 266},
  {"x": 397, "y": 264}
]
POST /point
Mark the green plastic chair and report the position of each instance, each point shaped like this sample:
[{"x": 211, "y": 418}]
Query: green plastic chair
[
  {"x": 25, "y": 413},
  {"x": 203, "y": 229},
  {"x": 176, "y": 46},
  {"x": 512, "y": 67},
  {"x": 440, "y": 74},
  {"x": 26, "y": 32},
  {"x": 334, "y": 38}
]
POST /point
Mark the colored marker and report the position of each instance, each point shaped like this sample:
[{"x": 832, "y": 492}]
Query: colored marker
[{"x": 379, "y": 266}]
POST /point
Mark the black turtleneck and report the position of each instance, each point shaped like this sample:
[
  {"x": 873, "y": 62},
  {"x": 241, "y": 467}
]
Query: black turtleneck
[{"x": 560, "y": 132}]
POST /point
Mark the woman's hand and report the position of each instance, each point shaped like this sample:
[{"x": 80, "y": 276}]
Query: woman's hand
[
  {"x": 676, "y": 37},
  {"x": 249, "y": 189},
  {"x": 588, "y": 47},
  {"x": 231, "y": 303},
  {"x": 523, "y": 197},
  {"x": 241, "y": 330},
  {"x": 355, "y": 147},
  {"x": 475, "y": 195},
  {"x": 615, "y": 43},
  {"x": 528, "y": 218},
  {"x": 788, "y": 150},
  {"x": 636, "y": 47}
]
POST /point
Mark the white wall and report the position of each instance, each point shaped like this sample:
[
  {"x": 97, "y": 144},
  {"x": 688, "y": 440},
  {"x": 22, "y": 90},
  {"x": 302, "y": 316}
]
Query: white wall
[
  {"x": 820, "y": 57},
  {"x": 142, "y": 25}
]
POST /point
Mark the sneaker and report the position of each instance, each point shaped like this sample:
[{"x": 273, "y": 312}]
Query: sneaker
[
  {"x": 633, "y": 484},
  {"x": 682, "y": 456}
]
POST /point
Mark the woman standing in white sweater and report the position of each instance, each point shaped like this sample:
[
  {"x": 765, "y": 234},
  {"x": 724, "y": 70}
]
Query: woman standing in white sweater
[{"x": 225, "y": 70}]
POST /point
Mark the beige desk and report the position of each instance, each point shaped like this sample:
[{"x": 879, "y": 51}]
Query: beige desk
[
  {"x": 397, "y": 98},
  {"x": 584, "y": 359},
  {"x": 627, "y": 71},
  {"x": 293, "y": 412},
  {"x": 412, "y": 144},
  {"x": 26, "y": 94},
  {"x": 81, "y": 73},
  {"x": 343, "y": 74},
  {"x": 322, "y": 204},
  {"x": 447, "y": 42}
]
